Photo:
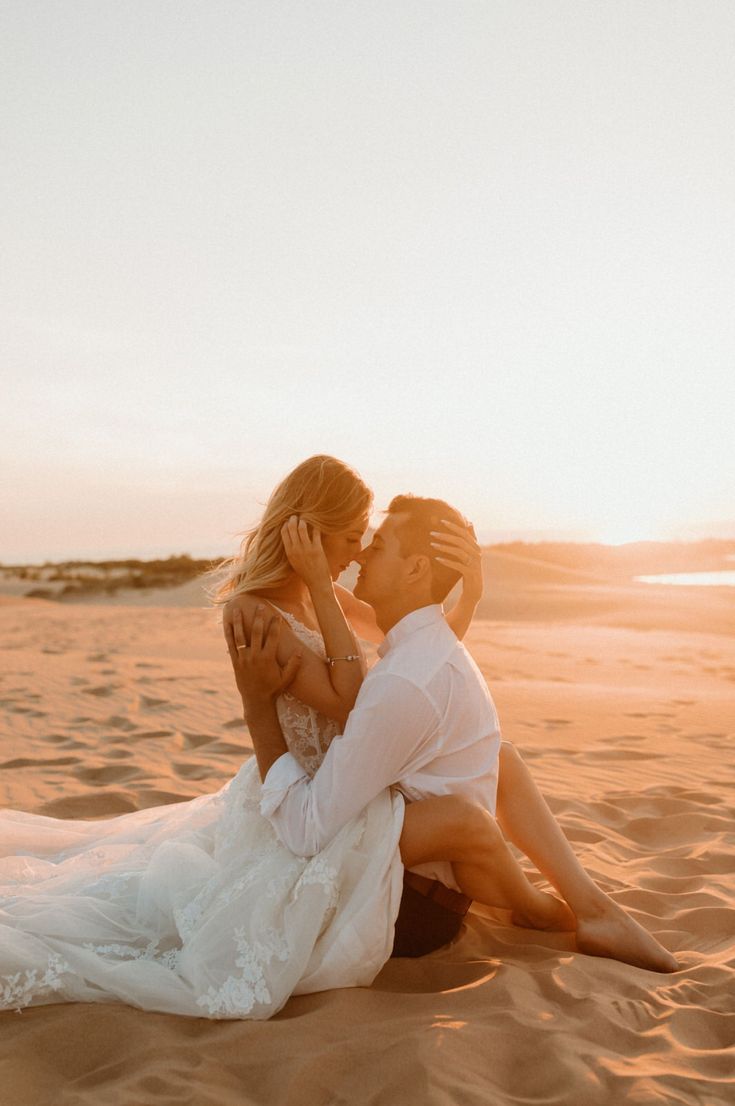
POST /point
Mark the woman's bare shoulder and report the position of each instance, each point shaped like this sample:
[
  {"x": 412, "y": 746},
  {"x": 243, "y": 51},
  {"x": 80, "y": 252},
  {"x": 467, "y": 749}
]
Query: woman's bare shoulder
[{"x": 247, "y": 602}]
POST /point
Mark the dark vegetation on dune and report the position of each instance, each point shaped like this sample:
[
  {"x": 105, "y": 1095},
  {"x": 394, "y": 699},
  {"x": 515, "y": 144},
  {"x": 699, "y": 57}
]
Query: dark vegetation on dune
[
  {"x": 510, "y": 568},
  {"x": 74, "y": 579}
]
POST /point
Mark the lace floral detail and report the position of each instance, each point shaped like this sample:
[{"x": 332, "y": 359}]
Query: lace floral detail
[
  {"x": 187, "y": 917},
  {"x": 169, "y": 958},
  {"x": 308, "y": 733},
  {"x": 17, "y": 990},
  {"x": 239, "y": 994},
  {"x": 320, "y": 873},
  {"x": 125, "y": 952}
]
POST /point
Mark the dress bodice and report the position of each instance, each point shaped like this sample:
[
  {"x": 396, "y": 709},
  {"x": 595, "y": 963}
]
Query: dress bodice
[{"x": 306, "y": 731}]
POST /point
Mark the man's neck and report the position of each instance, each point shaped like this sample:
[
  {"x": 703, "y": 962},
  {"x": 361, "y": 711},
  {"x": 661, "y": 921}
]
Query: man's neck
[{"x": 391, "y": 614}]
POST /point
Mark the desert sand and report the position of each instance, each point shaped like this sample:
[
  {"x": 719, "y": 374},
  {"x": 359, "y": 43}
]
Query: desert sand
[{"x": 622, "y": 700}]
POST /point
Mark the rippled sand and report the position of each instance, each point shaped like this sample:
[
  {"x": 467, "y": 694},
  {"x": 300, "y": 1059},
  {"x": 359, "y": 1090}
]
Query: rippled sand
[{"x": 629, "y": 731}]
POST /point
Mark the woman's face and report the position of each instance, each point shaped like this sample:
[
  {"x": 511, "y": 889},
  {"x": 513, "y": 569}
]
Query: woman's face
[{"x": 342, "y": 548}]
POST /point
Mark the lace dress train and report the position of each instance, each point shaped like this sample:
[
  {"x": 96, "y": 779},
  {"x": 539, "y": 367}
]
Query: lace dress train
[{"x": 196, "y": 908}]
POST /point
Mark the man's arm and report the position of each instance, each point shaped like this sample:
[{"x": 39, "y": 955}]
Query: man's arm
[
  {"x": 267, "y": 735},
  {"x": 386, "y": 737}
]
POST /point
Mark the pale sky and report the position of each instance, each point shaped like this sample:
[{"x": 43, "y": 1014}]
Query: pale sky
[{"x": 480, "y": 250}]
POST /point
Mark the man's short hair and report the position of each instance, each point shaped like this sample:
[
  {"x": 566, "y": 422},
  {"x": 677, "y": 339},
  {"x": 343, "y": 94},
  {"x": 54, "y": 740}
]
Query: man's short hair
[{"x": 414, "y": 536}]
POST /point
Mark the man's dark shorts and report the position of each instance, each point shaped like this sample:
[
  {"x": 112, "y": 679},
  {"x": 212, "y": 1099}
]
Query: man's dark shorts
[{"x": 430, "y": 915}]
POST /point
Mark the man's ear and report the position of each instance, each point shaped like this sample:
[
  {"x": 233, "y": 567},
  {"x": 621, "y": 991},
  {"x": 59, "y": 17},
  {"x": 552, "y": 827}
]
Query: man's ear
[{"x": 419, "y": 569}]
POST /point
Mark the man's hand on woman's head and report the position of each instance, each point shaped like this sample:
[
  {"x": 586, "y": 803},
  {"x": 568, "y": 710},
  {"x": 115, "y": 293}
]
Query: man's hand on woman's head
[{"x": 259, "y": 676}]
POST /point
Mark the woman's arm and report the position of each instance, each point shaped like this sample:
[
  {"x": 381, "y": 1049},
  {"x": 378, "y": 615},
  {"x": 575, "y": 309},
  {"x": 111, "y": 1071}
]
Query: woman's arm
[
  {"x": 330, "y": 689},
  {"x": 459, "y": 549},
  {"x": 360, "y": 616},
  {"x": 312, "y": 684},
  {"x": 303, "y": 545}
]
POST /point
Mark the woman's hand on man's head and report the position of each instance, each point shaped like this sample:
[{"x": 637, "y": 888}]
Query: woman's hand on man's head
[
  {"x": 457, "y": 547},
  {"x": 305, "y": 553}
]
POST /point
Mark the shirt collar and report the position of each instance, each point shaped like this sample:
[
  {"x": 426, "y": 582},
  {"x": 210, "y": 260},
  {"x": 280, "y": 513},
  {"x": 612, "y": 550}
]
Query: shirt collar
[{"x": 414, "y": 620}]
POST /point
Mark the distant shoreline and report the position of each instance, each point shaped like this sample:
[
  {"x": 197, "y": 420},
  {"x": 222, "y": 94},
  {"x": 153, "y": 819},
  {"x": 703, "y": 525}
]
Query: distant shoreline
[{"x": 524, "y": 582}]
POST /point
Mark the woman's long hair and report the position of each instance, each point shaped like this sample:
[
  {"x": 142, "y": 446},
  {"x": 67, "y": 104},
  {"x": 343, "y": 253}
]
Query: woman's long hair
[{"x": 322, "y": 490}]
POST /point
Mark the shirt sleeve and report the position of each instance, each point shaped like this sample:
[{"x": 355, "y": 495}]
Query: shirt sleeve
[{"x": 387, "y": 735}]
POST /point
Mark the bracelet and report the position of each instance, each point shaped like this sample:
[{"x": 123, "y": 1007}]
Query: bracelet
[{"x": 331, "y": 660}]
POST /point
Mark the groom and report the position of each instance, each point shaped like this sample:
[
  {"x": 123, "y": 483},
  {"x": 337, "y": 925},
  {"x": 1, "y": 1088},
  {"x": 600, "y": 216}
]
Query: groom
[{"x": 423, "y": 721}]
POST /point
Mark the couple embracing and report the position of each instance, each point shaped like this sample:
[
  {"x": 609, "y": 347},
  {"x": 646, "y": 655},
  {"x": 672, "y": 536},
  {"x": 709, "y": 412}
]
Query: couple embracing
[
  {"x": 378, "y": 805},
  {"x": 413, "y": 744}
]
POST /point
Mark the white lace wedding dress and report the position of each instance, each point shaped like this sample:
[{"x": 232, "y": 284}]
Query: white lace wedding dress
[{"x": 196, "y": 908}]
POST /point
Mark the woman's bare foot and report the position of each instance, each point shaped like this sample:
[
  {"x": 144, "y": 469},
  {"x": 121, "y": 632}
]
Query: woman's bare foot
[
  {"x": 610, "y": 932},
  {"x": 547, "y": 912}
]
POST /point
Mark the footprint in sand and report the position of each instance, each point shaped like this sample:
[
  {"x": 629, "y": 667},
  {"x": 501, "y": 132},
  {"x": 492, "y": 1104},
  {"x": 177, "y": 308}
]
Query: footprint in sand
[
  {"x": 234, "y": 724},
  {"x": 101, "y": 691},
  {"x": 558, "y": 721},
  {"x": 619, "y": 754},
  {"x": 89, "y": 805},
  {"x": 148, "y": 702},
  {"x": 581, "y": 835},
  {"x": 193, "y": 771},
  {"x": 108, "y": 773},
  {"x": 98, "y": 657},
  {"x": 702, "y": 1030},
  {"x": 119, "y": 722},
  {"x": 194, "y": 740},
  {"x": 30, "y": 762}
]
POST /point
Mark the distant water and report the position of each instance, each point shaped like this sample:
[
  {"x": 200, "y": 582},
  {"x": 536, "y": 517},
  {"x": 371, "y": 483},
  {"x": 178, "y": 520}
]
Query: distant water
[{"x": 708, "y": 579}]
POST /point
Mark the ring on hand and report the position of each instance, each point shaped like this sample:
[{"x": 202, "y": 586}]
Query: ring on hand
[{"x": 241, "y": 646}]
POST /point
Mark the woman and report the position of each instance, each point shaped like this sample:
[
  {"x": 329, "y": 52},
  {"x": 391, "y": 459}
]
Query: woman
[{"x": 195, "y": 908}]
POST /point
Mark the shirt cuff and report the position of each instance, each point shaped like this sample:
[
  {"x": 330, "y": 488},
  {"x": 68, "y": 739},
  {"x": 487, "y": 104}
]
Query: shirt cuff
[{"x": 282, "y": 775}]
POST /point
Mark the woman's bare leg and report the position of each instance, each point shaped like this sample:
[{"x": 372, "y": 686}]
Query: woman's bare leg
[
  {"x": 453, "y": 829},
  {"x": 603, "y": 927}
]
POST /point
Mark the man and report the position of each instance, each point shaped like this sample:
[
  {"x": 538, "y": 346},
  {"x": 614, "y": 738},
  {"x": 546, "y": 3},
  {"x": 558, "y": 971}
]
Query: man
[{"x": 424, "y": 722}]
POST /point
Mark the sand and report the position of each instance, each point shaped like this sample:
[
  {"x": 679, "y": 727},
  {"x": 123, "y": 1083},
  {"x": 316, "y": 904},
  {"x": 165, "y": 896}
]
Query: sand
[{"x": 624, "y": 708}]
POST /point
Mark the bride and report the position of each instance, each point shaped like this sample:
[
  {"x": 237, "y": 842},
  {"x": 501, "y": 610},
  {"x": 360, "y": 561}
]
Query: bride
[{"x": 196, "y": 908}]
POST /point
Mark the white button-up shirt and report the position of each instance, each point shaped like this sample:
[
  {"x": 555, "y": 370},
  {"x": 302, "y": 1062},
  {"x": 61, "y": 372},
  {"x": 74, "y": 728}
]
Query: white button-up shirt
[{"x": 423, "y": 721}]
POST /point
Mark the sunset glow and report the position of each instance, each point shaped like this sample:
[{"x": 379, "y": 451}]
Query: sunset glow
[{"x": 415, "y": 243}]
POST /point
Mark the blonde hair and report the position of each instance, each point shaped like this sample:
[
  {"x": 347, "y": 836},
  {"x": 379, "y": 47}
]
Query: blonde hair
[{"x": 322, "y": 490}]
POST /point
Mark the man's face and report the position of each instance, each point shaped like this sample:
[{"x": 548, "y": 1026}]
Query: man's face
[{"x": 382, "y": 565}]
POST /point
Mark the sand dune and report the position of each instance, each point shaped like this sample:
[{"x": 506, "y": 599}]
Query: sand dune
[{"x": 628, "y": 728}]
